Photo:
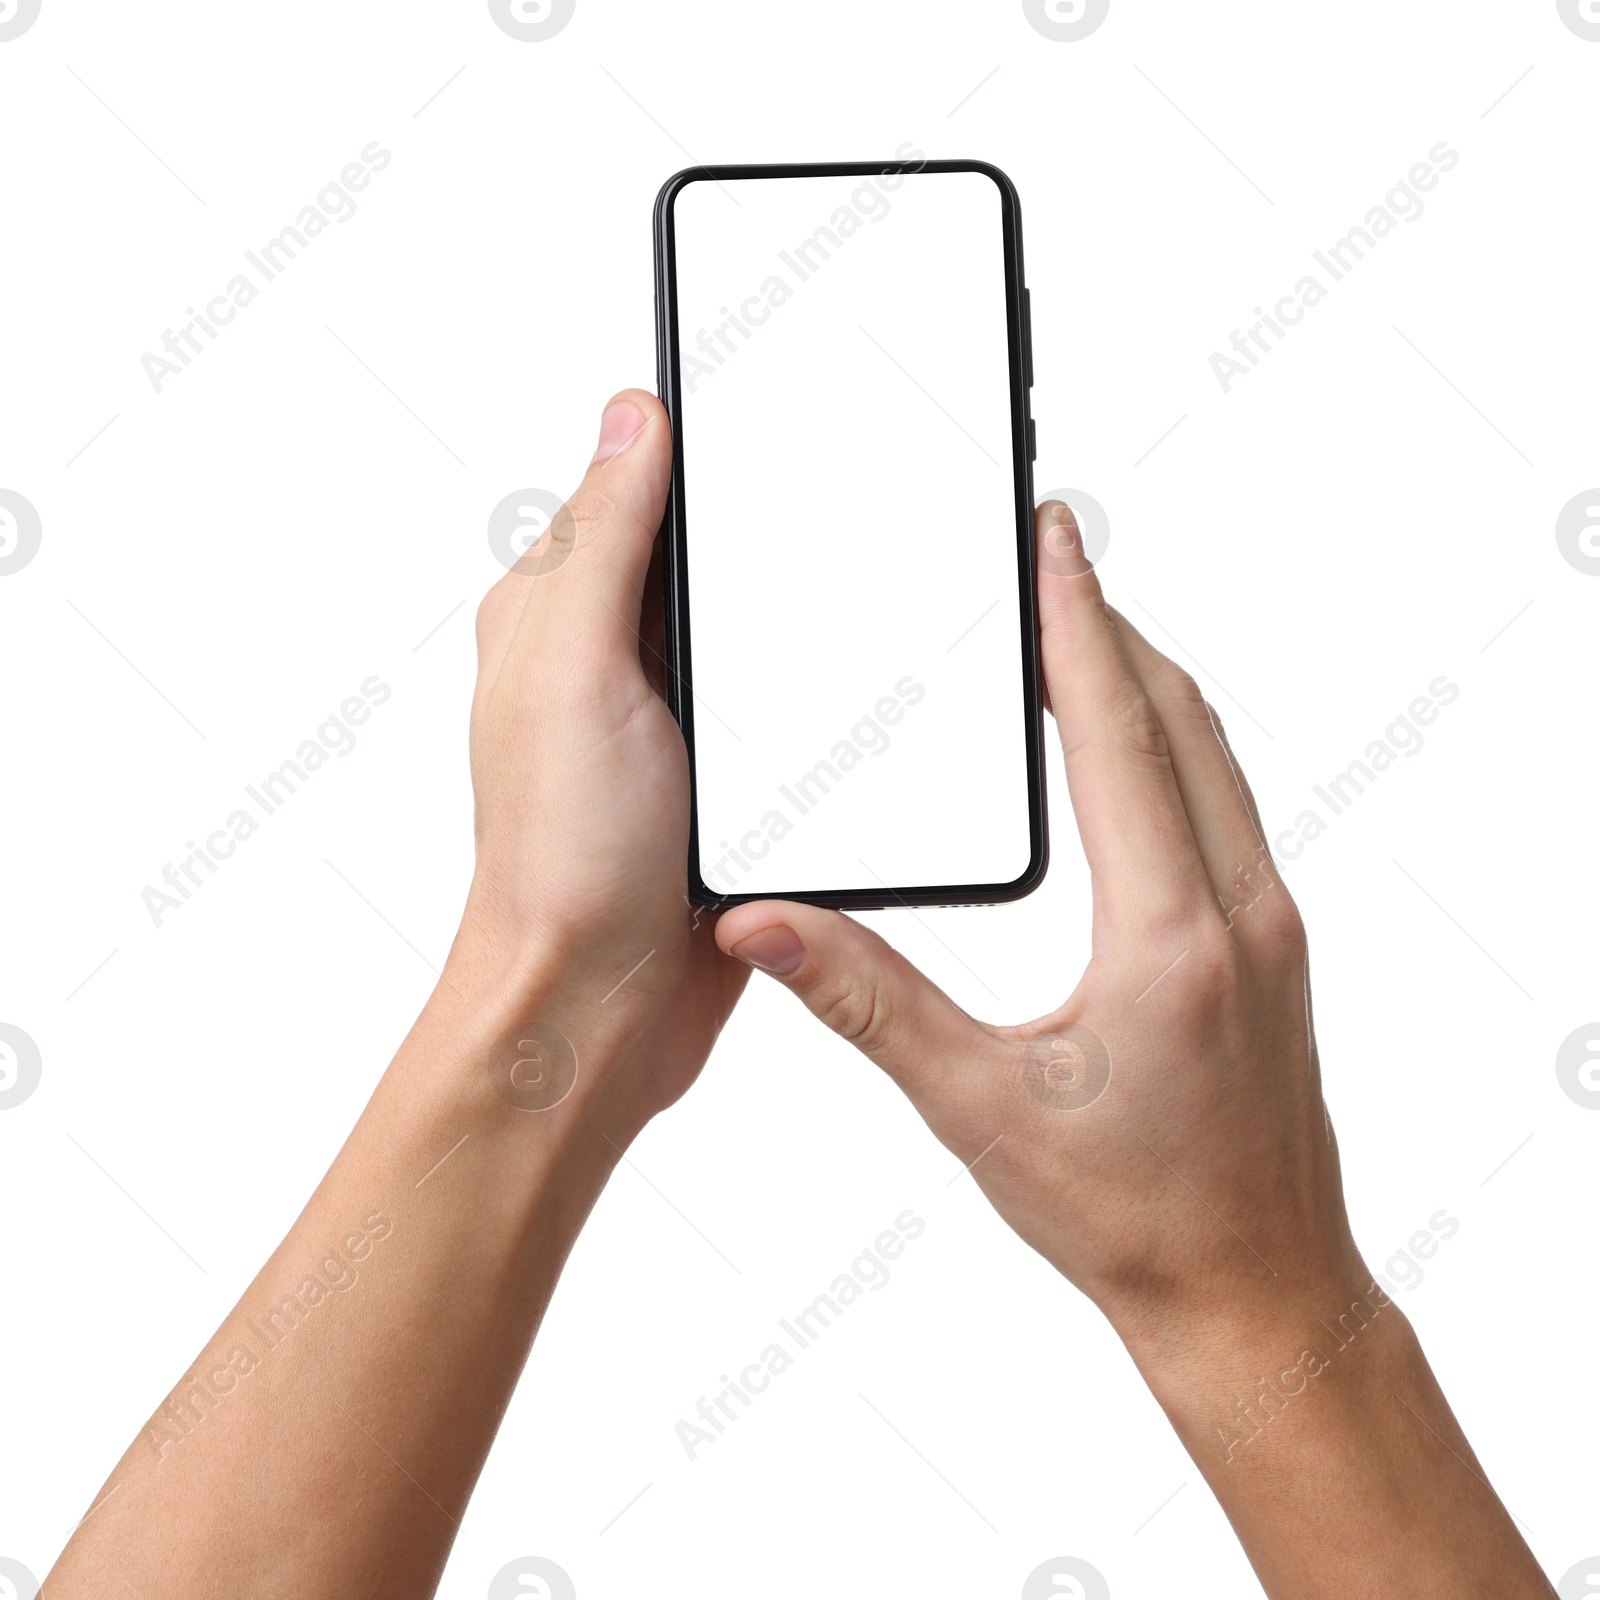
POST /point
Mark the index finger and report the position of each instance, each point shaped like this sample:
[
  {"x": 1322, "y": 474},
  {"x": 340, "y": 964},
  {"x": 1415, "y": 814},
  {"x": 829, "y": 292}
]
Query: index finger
[{"x": 1136, "y": 834}]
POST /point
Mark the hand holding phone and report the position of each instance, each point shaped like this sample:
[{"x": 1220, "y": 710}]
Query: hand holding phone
[{"x": 1161, "y": 1138}]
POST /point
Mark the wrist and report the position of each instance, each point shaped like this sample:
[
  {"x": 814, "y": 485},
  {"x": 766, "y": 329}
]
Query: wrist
[
  {"x": 1228, "y": 1302},
  {"x": 1333, "y": 1451},
  {"x": 1228, "y": 1376},
  {"x": 538, "y": 1033},
  {"x": 604, "y": 973},
  {"x": 500, "y": 955}
]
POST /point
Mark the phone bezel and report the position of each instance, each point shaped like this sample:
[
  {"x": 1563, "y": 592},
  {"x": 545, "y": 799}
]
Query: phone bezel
[{"x": 679, "y": 675}]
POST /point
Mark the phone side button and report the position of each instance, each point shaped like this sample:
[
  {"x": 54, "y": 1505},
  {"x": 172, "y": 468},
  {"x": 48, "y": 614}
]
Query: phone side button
[
  {"x": 1033, "y": 441},
  {"x": 1027, "y": 337}
]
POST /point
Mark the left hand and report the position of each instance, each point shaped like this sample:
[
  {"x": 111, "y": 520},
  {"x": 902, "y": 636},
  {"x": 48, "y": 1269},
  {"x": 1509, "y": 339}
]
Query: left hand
[{"x": 582, "y": 789}]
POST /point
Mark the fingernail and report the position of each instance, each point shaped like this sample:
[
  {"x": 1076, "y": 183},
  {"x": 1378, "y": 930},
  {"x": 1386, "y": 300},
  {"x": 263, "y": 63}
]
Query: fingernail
[
  {"x": 1061, "y": 547},
  {"x": 619, "y": 427},
  {"x": 774, "y": 950}
]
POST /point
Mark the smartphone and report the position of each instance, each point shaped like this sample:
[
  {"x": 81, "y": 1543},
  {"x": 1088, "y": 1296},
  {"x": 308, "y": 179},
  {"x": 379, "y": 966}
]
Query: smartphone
[{"x": 851, "y": 622}]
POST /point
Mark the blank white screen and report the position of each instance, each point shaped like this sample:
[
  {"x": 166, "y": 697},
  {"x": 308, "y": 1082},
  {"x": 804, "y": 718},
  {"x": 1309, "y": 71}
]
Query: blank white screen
[{"x": 851, "y": 533}]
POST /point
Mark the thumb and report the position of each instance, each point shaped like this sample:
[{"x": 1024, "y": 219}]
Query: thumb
[
  {"x": 859, "y": 986},
  {"x": 591, "y": 566}
]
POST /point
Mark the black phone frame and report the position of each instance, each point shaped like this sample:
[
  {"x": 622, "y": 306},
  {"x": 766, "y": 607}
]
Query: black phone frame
[{"x": 679, "y": 674}]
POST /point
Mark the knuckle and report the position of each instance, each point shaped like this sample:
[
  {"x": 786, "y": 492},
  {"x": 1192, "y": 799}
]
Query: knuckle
[
  {"x": 1177, "y": 689},
  {"x": 1206, "y": 984},
  {"x": 1215, "y": 959},
  {"x": 1186, "y": 944},
  {"x": 1263, "y": 913},
  {"x": 594, "y": 505},
  {"x": 1281, "y": 929},
  {"x": 564, "y": 525},
  {"x": 1134, "y": 724},
  {"x": 854, "y": 1007}
]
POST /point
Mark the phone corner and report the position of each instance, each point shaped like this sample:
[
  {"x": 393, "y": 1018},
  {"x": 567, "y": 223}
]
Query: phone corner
[
  {"x": 998, "y": 176},
  {"x": 702, "y": 897},
  {"x": 1032, "y": 876},
  {"x": 674, "y": 186}
]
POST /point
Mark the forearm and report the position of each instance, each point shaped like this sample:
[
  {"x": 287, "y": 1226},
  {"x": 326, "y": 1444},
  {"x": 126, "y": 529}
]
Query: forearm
[
  {"x": 327, "y": 1439},
  {"x": 1323, "y": 1433},
  {"x": 329, "y": 1435}
]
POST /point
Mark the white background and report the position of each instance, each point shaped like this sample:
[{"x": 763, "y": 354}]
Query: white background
[
  {"x": 1326, "y": 540},
  {"x": 847, "y": 533}
]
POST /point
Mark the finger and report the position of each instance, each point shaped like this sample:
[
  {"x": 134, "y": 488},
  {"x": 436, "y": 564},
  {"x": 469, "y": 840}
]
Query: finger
[
  {"x": 1142, "y": 852},
  {"x": 1220, "y": 816},
  {"x": 863, "y": 990},
  {"x": 1280, "y": 922},
  {"x": 588, "y": 570},
  {"x": 1239, "y": 775}
]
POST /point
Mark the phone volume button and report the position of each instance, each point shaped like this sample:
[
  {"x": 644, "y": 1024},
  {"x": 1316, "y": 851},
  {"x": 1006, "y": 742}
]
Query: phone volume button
[
  {"x": 1033, "y": 441},
  {"x": 1027, "y": 338}
]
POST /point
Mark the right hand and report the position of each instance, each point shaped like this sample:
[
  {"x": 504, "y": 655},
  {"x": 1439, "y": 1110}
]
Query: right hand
[{"x": 1203, "y": 1182}]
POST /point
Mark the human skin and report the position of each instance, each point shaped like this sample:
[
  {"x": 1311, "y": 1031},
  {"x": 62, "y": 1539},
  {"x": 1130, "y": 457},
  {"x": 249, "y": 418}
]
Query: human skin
[
  {"x": 340, "y": 1462},
  {"x": 1161, "y": 1138}
]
